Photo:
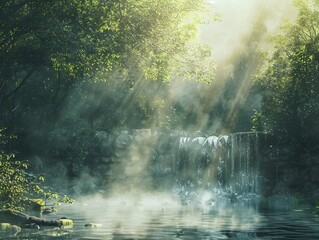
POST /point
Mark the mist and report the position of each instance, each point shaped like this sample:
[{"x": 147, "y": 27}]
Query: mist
[
  {"x": 151, "y": 138},
  {"x": 243, "y": 30},
  {"x": 114, "y": 170},
  {"x": 237, "y": 22},
  {"x": 222, "y": 107}
]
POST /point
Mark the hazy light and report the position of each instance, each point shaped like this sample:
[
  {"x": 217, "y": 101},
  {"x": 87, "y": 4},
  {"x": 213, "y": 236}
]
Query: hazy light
[{"x": 243, "y": 31}]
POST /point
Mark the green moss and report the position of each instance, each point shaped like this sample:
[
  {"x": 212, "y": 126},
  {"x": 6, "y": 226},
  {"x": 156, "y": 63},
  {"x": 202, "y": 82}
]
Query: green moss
[
  {"x": 36, "y": 204},
  {"x": 4, "y": 226}
]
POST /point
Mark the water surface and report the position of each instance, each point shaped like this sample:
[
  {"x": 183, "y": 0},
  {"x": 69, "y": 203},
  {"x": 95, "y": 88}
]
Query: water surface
[{"x": 158, "y": 217}]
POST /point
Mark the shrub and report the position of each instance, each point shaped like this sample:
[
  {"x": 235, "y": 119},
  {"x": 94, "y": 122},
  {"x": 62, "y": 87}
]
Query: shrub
[{"x": 17, "y": 186}]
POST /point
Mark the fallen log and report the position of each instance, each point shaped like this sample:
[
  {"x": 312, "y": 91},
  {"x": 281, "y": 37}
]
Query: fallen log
[{"x": 22, "y": 219}]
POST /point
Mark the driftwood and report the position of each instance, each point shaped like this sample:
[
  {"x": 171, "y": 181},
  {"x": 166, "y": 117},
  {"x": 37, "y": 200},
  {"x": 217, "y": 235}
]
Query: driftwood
[{"x": 22, "y": 219}]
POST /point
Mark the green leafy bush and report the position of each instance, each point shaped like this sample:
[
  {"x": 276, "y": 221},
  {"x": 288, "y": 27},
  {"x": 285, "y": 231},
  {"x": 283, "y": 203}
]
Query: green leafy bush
[
  {"x": 17, "y": 186},
  {"x": 288, "y": 83}
]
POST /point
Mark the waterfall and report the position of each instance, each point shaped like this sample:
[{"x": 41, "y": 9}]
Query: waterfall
[
  {"x": 190, "y": 161},
  {"x": 230, "y": 162},
  {"x": 244, "y": 162}
]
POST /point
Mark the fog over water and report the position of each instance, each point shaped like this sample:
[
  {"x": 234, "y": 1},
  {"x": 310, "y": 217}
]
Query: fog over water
[
  {"x": 242, "y": 31},
  {"x": 140, "y": 175},
  {"x": 236, "y": 39}
]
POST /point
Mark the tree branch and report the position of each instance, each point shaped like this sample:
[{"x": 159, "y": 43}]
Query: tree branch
[{"x": 17, "y": 88}]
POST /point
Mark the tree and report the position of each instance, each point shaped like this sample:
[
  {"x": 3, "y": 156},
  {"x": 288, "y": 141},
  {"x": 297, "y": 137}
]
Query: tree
[
  {"x": 289, "y": 82},
  {"x": 50, "y": 47},
  {"x": 67, "y": 66}
]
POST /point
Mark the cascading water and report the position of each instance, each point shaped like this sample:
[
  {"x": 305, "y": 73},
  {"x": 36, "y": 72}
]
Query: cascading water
[
  {"x": 244, "y": 162},
  {"x": 191, "y": 163},
  {"x": 227, "y": 163}
]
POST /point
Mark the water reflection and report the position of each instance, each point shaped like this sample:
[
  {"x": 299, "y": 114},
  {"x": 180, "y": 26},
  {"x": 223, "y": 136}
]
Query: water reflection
[{"x": 162, "y": 217}]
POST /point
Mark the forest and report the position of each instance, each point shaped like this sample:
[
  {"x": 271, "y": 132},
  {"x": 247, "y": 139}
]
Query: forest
[{"x": 71, "y": 68}]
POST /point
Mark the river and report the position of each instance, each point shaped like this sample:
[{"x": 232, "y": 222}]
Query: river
[{"x": 158, "y": 216}]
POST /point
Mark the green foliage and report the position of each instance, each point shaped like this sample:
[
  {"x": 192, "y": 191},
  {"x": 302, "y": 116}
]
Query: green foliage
[
  {"x": 82, "y": 64},
  {"x": 257, "y": 121},
  {"x": 77, "y": 39},
  {"x": 289, "y": 82},
  {"x": 16, "y": 185},
  {"x": 52, "y": 49}
]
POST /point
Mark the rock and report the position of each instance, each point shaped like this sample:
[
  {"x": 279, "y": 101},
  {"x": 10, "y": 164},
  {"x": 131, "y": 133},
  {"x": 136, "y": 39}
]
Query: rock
[
  {"x": 13, "y": 217},
  {"x": 105, "y": 142},
  {"x": 4, "y": 226},
  {"x": 280, "y": 202},
  {"x": 33, "y": 226},
  {"x": 48, "y": 210},
  {"x": 13, "y": 230},
  {"x": 93, "y": 225},
  {"x": 66, "y": 222},
  {"x": 122, "y": 143},
  {"x": 36, "y": 204}
]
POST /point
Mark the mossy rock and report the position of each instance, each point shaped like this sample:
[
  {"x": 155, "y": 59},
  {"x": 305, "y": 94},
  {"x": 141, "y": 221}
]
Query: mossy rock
[
  {"x": 4, "y": 226},
  {"x": 13, "y": 217},
  {"x": 36, "y": 204},
  {"x": 66, "y": 222},
  {"x": 13, "y": 230}
]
